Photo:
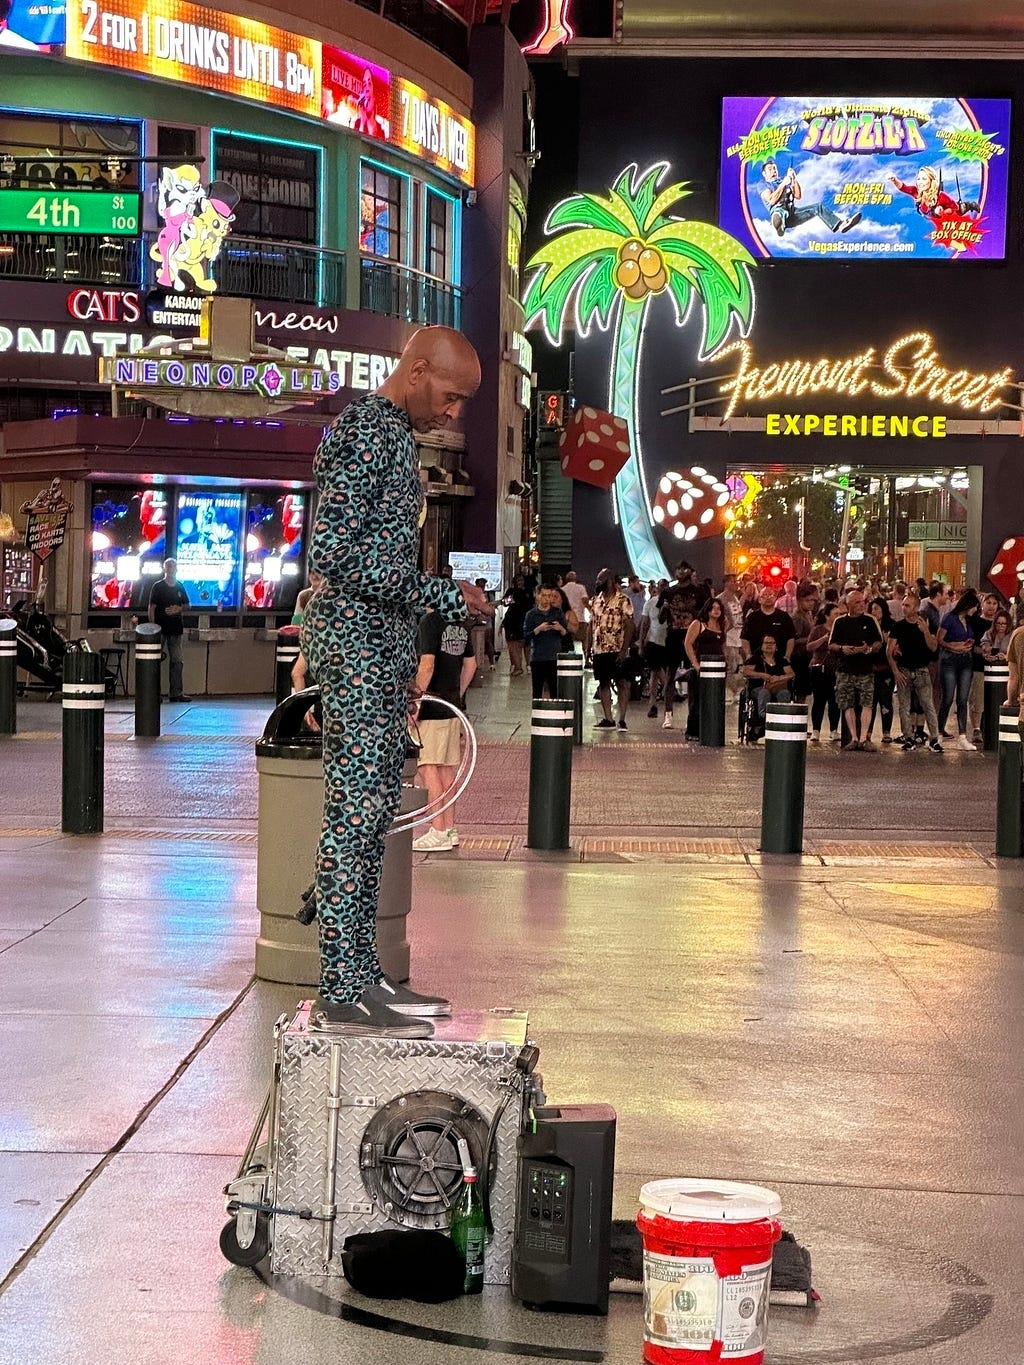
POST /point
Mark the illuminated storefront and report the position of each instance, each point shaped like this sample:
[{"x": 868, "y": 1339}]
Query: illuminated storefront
[{"x": 197, "y": 153}]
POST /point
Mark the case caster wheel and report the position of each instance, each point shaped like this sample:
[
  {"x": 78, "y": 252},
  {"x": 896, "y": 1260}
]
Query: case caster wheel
[{"x": 257, "y": 1249}]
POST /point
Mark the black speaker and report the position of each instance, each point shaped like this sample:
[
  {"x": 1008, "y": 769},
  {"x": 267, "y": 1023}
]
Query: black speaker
[{"x": 560, "y": 1256}]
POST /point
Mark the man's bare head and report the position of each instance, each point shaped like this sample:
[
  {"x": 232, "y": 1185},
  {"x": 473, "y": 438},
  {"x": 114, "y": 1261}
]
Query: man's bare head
[{"x": 438, "y": 373}]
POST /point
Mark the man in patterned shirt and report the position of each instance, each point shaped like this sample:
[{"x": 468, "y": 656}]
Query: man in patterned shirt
[
  {"x": 611, "y": 626},
  {"x": 359, "y": 635}
]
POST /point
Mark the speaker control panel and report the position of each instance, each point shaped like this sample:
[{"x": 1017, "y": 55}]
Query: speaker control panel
[{"x": 546, "y": 1191}]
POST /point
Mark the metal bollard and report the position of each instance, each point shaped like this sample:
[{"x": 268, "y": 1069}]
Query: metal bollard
[
  {"x": 570, "y": 688},
  {"x": 83, "y": 700},
  {"x": 996, "y": 677},
  {"x": 785, "y": 767},
  {"x": 149, "y": 647},
  {"x": 551, "y": 731},
  {"x": 8, "y": 676},
  {"x": 288, "y": 649},
  {"x": 712, "y": 703},
  {"x": 1009, "y": 828}
]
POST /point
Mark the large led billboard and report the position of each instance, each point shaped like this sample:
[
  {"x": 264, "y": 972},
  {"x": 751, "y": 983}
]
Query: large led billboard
[
  {"x": 834, "y": 177},
  {"x": 274, "y": 524},
  {"x": 209, "y": 536},
  {"x": 128, "y": 546}
]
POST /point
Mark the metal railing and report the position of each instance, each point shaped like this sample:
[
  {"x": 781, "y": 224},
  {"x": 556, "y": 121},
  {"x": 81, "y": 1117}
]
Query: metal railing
[
  {"x": 402, "y": 292},
  {"x": 246, "y": 267}
]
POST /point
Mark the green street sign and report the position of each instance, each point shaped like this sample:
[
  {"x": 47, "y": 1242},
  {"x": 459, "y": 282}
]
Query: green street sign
[{"x": 87, "y": 212}]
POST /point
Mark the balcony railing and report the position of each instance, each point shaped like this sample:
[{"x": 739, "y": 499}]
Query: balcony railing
[
  {"x": 246, "y": 267},
  {"x": 401, "y": 292}
]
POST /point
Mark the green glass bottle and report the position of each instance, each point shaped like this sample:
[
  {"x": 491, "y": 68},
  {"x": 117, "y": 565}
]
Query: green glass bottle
[{"x": 469, "y": 1231}]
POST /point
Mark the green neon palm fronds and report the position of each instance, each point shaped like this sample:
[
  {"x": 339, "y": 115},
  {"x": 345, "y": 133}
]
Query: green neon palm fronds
[
  {"x": 665, "y": 200},
  {"x": 634, "y": 511},
  {"x": 597, "y": 295},
  {"x": 717, "y": 267},
  {"x": 561, "y": 268},
  {"x": 589, "y": 211},
  {"x": 638, "y": 196}
]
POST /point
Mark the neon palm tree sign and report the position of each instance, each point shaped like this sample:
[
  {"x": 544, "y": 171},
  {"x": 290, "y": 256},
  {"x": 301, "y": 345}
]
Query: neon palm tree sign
[{"x": 607, "y": 258}]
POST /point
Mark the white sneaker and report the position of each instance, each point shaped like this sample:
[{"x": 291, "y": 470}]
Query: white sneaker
[
  {"x": 666, "y": 724},
  {"x": 432, "y": 841},
  {"x": 814, "y": 736},
  {"x": 453, "y": 837},
  {"x": 964, "y": 743}
]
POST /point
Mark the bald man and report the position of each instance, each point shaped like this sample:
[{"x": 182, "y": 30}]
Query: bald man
[{"x": 359, "y": 636}]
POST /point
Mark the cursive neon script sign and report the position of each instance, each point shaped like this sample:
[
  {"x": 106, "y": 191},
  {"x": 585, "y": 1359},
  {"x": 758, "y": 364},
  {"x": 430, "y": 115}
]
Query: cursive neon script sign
[{"x": 909, "y": 368}]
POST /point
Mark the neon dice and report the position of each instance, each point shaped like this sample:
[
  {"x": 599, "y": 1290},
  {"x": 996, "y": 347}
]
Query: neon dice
[
  {"x": 692, "y": 505},
  {"x": 1008, "y": 567},
  {"x": 594, "y": 446}
]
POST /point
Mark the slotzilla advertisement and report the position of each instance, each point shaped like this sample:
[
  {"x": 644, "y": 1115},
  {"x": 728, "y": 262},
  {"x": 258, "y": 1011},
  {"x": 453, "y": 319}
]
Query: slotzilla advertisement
[{"x": 833, "y": 177}]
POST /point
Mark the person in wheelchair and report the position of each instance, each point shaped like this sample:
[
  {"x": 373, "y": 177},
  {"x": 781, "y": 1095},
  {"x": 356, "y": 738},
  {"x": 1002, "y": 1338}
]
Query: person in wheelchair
[{"x": 769, "y": 678}]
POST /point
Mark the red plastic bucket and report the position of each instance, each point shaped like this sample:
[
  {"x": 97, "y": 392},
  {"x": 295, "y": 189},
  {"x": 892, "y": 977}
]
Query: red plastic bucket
[{"x": 707, "y": 1270}]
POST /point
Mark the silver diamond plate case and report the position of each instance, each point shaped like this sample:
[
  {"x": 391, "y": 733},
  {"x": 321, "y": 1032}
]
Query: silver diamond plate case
[{"x": 350, "y": 1114}]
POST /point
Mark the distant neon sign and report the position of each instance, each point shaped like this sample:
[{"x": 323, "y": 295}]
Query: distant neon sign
[
  {"x": 910, "y": 367},
  {"x": 269, "y": 378}
]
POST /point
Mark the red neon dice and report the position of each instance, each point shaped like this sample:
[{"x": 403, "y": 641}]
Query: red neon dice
[
  {"x": 1008, "y": 567},
  {"x": 594, "y": 446}
]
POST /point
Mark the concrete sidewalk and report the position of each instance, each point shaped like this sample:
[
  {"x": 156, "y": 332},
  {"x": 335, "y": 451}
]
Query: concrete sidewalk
[{"x": 844, "y": 1028}]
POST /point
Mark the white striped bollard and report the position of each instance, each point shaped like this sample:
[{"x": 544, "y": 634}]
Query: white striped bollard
[
  {"x": 996, "y": 678},
  {"x": 711, "y": 707},
  {"x": 82, "y": 702},
  {"x": 1009, "y": 827},
  {"x": 570, "y": 688},
  {"x": 8, "y": 676},
  {"x": 785, "y": 769},
  {"x": 149, "y": 648},
  {"x": 551, "y": 731}
]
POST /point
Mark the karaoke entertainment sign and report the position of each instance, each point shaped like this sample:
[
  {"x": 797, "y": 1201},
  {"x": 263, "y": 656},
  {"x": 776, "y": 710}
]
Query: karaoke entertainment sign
[{"x": 838, "y": 178}]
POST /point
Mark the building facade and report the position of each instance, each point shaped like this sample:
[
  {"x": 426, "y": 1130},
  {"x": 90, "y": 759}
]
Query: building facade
[{"x": 151, "y": 160}]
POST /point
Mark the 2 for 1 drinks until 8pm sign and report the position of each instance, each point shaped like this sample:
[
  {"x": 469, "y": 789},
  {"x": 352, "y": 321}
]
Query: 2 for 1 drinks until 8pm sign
[
  {"x": 190, "y": 44},
  {"x": 841, "y": 178}
]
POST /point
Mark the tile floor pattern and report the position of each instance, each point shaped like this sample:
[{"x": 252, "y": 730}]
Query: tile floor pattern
[{"x": 844, "y": 1027}]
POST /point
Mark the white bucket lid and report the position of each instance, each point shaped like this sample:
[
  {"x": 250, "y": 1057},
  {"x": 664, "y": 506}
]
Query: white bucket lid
[{"x": 709, "y": 1201}]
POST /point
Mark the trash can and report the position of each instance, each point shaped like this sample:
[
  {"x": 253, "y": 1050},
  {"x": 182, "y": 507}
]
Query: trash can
[
  {"x": 707, "y": 1270},
  {"x": 289, "y": 763}
]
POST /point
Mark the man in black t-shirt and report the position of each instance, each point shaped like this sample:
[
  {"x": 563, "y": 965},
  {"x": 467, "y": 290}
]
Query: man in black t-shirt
[
  {"x": 446, "y": 668},
  {"x": 767, "y": 619},
  {"x": 857, "y": 640},
  {"x": 167, "y": 600},
  {"x": 911, "y": 646}
]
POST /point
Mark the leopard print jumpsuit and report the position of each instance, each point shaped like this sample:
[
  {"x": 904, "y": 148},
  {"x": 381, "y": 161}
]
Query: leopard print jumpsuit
[{"x": 359, "y": 635}]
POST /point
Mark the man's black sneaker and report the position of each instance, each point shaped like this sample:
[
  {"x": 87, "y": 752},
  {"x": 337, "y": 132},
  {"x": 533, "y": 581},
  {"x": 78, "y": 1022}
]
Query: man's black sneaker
[
  {"x": 936, "y": 747},
  {"x": 622, "y": 725},
  {"x": 920, "y": 738},
  {"x": 366, "y": 1018},
  {"x": 605, "y": 725},
  {"x": 181, "y": 698},
  {"x": 404, "y": 1001},
  {"x": 907, "y": 744},
  {"x": 652, "y": 713}
]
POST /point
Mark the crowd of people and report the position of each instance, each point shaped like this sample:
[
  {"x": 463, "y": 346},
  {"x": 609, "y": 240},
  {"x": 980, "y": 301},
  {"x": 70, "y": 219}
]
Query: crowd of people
[{"x": 858, "y": 652}]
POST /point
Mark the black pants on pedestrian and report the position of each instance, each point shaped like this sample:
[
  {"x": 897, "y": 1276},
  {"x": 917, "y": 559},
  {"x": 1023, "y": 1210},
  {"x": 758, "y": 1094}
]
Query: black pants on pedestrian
[
  {"x": 823, "y": 690},
  {"x": 543, "y": 672}
]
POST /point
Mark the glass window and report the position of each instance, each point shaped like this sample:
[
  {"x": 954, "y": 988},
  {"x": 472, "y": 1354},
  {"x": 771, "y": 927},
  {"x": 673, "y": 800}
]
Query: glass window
[
  {"x": 176, "y": 146},
  {"x": 277, "y": 184},
  {"x": 69, "y": 152},
  {"x": 438, "y": 218},
  {"x": 381, "y": 207}
]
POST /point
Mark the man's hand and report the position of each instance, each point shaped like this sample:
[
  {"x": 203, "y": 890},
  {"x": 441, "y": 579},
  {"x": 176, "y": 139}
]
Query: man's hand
[{"x": 475, "y": 599}]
